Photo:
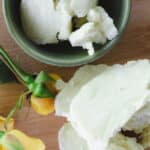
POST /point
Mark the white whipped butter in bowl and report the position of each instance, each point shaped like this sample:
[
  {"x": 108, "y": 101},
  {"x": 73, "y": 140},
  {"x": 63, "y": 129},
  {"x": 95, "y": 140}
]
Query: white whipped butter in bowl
[{"x": 51, "y": 21}]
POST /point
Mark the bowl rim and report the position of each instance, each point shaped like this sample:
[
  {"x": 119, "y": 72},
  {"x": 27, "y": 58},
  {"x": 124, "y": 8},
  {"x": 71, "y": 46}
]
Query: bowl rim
[{"x": 57, "y": 62}]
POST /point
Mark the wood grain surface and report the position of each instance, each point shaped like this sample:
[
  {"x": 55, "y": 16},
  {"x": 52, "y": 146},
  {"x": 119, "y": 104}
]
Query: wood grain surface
[{"x": 135, "y": 44}]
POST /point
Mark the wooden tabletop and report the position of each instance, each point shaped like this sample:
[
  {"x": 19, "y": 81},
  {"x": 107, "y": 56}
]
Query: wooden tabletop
[{"x": 135, "y": 44}]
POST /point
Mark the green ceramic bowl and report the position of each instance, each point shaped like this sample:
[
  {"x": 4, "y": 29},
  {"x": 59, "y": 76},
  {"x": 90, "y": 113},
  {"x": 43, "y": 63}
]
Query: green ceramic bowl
[{"x": 63, "y": 54}]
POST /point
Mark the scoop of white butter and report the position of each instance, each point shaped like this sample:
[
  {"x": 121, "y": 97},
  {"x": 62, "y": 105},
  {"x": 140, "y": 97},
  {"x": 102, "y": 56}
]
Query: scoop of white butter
[
  {"x": 105, "y": 22},
  {"x": 82, "y": 7},
  {"x": 99, "y": 28},
  {"x": 88, "y": 34},
  {"x": 44, "y": 20},
  {"x": 99, "y": 108},
  {"x": 40, "y": 20},
  {"x": 65, "y": 13},
  {"x": 70, "y": 140}
]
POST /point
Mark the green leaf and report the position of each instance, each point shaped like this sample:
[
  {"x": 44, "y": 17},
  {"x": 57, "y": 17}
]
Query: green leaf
[
  {"x": 43, "y": 77},
  {"x": 6, "y": 75},
  {"x": 1, "y": 134},
  {"x": 11, "y": 142}
]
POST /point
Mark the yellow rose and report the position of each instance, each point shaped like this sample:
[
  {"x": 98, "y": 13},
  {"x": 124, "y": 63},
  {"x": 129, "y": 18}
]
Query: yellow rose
[{"x": 13, "y": 139}]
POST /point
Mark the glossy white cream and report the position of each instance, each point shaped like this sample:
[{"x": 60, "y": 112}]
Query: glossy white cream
[
  {"x": 100, "y": 100},
  {"x": 70, "y": 140},
  {"x": 107, "y": 102}
]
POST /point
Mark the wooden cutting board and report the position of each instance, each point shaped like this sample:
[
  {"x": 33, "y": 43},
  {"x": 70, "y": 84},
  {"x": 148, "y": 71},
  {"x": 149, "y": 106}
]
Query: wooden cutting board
[{"x": 135, "y": 44}]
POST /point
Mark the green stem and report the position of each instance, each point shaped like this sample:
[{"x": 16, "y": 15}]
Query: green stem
[
  {"x": 35, "y": 85},
  {"x": 23, "y": 76},
  {"x": 17, "y": 106}
]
